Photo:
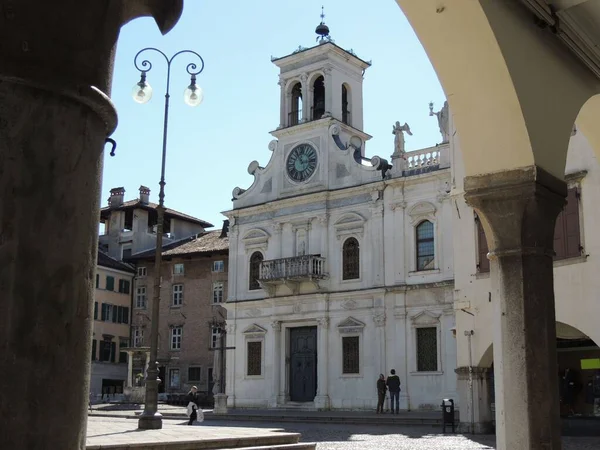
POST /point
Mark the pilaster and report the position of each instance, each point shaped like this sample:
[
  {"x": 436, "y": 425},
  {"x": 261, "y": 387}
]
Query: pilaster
[
  {"x": 518, "y": 210},
  {"x": 474, "y": 391},
  {"x": 322, "y": 401}
]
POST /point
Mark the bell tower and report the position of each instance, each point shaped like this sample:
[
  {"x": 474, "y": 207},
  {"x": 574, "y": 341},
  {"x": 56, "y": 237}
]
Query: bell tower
[{"x": 324, "y": 81}]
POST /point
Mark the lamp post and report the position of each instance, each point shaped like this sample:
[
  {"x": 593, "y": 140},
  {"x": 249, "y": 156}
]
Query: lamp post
[{"x": 142, "y": 92}]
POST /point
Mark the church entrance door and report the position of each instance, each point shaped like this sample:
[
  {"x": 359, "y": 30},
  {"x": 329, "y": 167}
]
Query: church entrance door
[{"x": 303, "y": 364}]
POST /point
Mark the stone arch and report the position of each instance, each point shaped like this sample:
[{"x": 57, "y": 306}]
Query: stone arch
[
  {"x": 587, "y": 121},
  {"x": 515, "y": 105}
]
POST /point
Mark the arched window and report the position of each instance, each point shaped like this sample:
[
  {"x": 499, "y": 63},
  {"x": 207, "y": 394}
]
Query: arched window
[
  {"x": 425, "y": 246},
  {"x": 345, "y": 105},
  {"x": 254, "y": 271},
  {"x": 318, "y": 108},
  {"x": 350, "y": 259},
  {"x": 295, "y": 113}
]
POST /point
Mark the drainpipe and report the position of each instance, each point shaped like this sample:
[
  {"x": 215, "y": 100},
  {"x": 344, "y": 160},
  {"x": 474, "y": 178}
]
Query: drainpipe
[{"x": 469, "y": 334}]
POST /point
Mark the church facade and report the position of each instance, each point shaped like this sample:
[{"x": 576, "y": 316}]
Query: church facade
[{"x": 341, "y": 266}]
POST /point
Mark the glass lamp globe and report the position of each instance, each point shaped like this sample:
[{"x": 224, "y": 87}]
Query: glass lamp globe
[
  {"x": 142, "y": 92},
  {"x": 193, "y": 95}
]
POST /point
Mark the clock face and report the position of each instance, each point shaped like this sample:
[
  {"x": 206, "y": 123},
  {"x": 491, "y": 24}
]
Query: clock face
[{"x": 301, "y": 162}]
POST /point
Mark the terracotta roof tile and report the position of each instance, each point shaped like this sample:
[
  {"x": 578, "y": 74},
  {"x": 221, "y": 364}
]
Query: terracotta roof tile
[{"x": 168, "y": 212}]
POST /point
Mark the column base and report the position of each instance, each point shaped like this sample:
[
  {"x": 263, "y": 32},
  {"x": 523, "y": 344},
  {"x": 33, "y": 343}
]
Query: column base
[
  {"x": 150, "y": 422},
  {"x": 322, "y": 402},
  {"x": 220, "y": 404}
]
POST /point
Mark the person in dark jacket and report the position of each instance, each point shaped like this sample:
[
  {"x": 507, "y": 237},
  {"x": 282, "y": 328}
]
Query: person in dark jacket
[
  {"x": 393, "y": 384},
  {"x": 381, "y": 390},
  {"x": 194, "y": 398}
]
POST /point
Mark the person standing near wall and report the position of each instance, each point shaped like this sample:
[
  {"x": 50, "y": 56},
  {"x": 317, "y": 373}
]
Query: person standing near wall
[
  {"x": 381, "y": 390},
  {"x": 393, "y": 384}
]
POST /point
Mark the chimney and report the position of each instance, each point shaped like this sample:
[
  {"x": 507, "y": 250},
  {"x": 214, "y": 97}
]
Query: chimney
[
  {"x": 144, "y": 195},
  {"x": 116, "y": 197},
  {"x": 225, "y": 229}
]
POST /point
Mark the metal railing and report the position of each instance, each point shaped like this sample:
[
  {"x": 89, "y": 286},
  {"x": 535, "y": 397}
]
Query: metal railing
[{"x": 307, "y": 266}]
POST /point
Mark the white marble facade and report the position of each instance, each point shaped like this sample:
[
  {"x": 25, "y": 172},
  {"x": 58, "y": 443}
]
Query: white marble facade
[{"x": 311, "y": 338}]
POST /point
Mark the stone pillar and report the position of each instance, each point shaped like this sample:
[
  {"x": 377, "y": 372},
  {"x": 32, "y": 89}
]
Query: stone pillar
[
  {"x": 305, "y": 95},
  {"x": 283, "y": 104},
  {"x": 518, "y": 210},
  {"x": 328, "y": 92},
  {"x": 322, "y": 401},
  {"x": 276, "y": 359},
  {"x": 474, "y": 391},
  {"x": 56, "y": 62},
  {"x": 129, "y": 368}
]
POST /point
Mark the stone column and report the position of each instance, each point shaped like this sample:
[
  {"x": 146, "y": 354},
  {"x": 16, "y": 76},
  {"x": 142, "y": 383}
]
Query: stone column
[
  {"x": 276, "y": 359},
  {"x": 328, "y": 92},
  {"x": 322, "y": 401},
  {"x": 129, "y": 368},
  {"x": 377, "y": 244},
  {"x": 305, "y": 95},
  {"x": 518, "y": 210},
  {"x": 56, "y": 62},
  {"x": 475, "y": 417},
  {"x": 147, "y": 364},
  {"x": 283, "y": 104}
]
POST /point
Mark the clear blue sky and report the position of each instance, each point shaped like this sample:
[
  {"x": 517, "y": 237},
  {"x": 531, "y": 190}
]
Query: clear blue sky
[{"x": 210, "y": 146}]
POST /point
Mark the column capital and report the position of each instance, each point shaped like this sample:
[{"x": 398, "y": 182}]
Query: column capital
[
  {"x": 323, "y": 322},
  {"x": 518, "y": 209},
  {"x": 276, "y": 325}
]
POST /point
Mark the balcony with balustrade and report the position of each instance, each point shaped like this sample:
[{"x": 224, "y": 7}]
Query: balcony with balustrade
[{"x": 291, "y": 272}]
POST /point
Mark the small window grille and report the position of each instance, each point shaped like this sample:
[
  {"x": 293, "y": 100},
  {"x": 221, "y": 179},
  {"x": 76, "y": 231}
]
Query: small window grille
[
  {"x": 425, "y": 246},
  {"x": 351, "y": 259},
  {"x": 254, "y": 358},
  {"x": 350, "y": 354},
  {"x": 427, "y": 357}
]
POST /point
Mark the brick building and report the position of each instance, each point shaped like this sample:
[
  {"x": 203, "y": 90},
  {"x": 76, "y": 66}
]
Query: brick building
[{"x": 194, "y": 284}]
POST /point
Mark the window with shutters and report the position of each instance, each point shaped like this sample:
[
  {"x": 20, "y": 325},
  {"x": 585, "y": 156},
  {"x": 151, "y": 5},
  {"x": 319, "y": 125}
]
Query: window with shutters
[
  {"x": 140, "y": 297},
  {"x": 425, "y": 246},
  {"x": 107, "y": 350},
  {"x": 350, "y": 355},
  {"x": 567, "y": 239},
  {"x": 138, "y": 336},
  {"x": 124, "y": 286},
  {"x": 176, "y": 333},
  {"x": 350, "y": 259},
  {"x": 427, "y": 349},
  {"x": 254, "y": 358},
  {"x": 97, "y": 281},
  {"x": 110, "y": 283},
  {"x": 123, "y": 343},
  {"x": 95, "y": 310},
  {"x": 483, "y": 263},
  {"x": 177, "y": 294},
  {"x": 255, "y": 261},
  {"x": 94, "y": 350}
]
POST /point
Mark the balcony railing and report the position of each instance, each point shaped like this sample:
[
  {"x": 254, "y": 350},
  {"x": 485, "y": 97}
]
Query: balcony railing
[{"x": 296, "y": 268}]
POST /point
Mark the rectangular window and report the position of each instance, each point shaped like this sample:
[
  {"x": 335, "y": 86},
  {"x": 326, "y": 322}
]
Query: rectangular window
[
  {"x": 124, "y": 286},
  {"x": 425, "y": 246},
  {"x": 215, "y": 335},
  {"x": 106, "y": 312},
  {"x": 107, "y": 349},
  {"x": 97, "y": 281},
  {"x": 126, "y": 252},
  {"x": 141, "y": 272},
  {"x": 138, "y": 337},
  {"x": 218, "y": 292},
  {"x": 194, "y": 373},
  {"x": 174, "y": 378},
  {"x": 140, "y": 297},
  {"x": 94, "y": 350},
  {"x": 427, "y": 357},
  {"x": 177, "y": 294},
  {"x": 350, "y": 355},
  {"x": 110, "y": 283},
  {"x": 178, "y": 269},
  {"x": 254, "y": 358},
  {"x": 176, "y": 333},
  {"x": 123, "y": 343},
  {"x": 95, "y": 310},
  {"x": 567, "y": 240},
  {"x": 218, "y": 266},
  {"x": 483, "y": 263}
]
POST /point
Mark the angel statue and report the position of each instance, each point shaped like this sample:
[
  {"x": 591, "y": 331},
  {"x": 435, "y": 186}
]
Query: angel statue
[
  {"x": 398, "y": 131},
  {"x": 442, "y": 117}
]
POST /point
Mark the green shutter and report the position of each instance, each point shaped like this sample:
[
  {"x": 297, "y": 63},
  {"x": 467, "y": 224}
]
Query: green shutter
[
  {"x": 95, "y": 310},
  {"x": 113, "y": 351},
  {"x": 103, "y": 315},
  {"x": 93, "y": 349},
  {"x": 97, "y": 280},
  {"x": 110, "y": 283},
  {"x": 115, "y": 312},
  {"x": 125, "y": 314},
  {"x": 126, "y": 285},
  {"x": 101, "y": 355}
]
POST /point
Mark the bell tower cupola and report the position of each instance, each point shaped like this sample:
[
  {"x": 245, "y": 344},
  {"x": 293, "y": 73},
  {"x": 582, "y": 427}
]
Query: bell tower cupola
[{"x": 324, "y": 81}]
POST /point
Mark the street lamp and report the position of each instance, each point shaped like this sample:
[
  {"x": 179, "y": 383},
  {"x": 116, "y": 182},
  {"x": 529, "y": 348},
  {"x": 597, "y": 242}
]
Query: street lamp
[{"x": 142, "y": 93}]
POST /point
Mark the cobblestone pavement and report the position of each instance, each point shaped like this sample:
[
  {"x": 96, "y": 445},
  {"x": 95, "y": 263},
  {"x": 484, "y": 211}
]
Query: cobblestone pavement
[{"x": 381, "y": 437}]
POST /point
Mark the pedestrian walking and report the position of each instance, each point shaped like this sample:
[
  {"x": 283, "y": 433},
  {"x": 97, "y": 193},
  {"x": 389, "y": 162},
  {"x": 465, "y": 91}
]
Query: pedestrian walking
[
  {"x": 193, "y": 405},
  {"x": 381, "y": 390},
  {"x": 393, "y": 384}
]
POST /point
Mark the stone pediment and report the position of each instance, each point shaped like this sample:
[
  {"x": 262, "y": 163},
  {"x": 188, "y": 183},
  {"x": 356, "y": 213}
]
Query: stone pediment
[
  {"x": 256, "y": 237},
  {"x": 351, "y": 325},
  {"x": 254, "y": 330},
  {"x": 350, "y": 223},
  {"x": 425, "y": 318},
  {"x": 422, "y": 209}
]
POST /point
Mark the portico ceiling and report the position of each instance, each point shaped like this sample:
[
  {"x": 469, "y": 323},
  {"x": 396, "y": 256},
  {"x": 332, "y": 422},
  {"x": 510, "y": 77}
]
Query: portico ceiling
[{"x": 576, "y": 23}]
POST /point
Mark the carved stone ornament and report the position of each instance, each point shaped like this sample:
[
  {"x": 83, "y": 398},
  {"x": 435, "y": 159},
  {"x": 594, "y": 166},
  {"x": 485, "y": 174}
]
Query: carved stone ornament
[
  {"x": 297, "y": 308},
  {"x": 273, "y": 145},
  {"x": 350, "y": 326},
  {"x": 254, "y": 312},
  {"x": 254, "y": 331},
  {"x": 349, "y": 304},
  {"x": 323, "y": 322},
  {"x": 276, "y": 325},
  {"x": 379, "y": 320}
]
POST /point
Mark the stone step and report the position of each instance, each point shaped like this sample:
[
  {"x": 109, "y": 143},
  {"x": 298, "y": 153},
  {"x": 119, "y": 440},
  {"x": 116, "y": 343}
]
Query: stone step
[{"x": 298, "y": 446}]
